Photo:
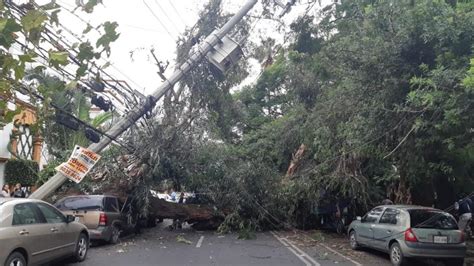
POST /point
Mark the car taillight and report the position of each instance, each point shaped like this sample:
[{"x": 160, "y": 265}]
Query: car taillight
[
  {"x": 103, "y": 219},
  {"x": 410, "y": 236},
  {"x": 461, "y": 238}
]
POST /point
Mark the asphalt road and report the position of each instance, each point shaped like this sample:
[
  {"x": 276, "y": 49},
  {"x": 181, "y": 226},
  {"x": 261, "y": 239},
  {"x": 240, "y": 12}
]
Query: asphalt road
[{"x": 159, "y": 246}]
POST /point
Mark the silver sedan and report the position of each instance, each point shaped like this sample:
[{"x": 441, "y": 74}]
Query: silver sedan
[
  {"x": 33, "y": 232},
  {"x": 406, "y": 232}
]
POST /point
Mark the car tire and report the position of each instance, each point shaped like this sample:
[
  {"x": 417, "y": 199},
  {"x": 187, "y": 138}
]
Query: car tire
[
  {"x": 16, "y": 258},
  {"x": 455, "y": 262},
  {"x": 396, "y": 255},
  {"x": 340, "y": 227},
  {"x": 353, "y": 240},
  {"x": 115, "y": 236},
  {"x": 82, "y": 247}
]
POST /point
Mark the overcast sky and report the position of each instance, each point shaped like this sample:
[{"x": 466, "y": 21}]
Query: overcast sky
[{"x": 144, "y": 24}]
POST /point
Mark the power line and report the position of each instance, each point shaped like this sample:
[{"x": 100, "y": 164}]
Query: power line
[
  {"x": 85, "y": 124},
  {"x": 158, "y": 19},
  {"x": 176, "y": 10},
  {"x": 166, "y": 14},
  {"x": 55, "y": 43}
]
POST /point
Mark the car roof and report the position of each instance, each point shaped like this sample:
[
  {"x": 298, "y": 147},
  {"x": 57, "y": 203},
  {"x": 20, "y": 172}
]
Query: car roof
[
  {"x": 17, "y": 200},
  {"x": 409, "y": 207}
]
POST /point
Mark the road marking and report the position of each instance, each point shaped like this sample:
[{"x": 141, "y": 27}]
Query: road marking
[
  {"x": 337, "y": 253},
  {"x": 199, "y": 243},
  {"x": 303, "y": 256}
]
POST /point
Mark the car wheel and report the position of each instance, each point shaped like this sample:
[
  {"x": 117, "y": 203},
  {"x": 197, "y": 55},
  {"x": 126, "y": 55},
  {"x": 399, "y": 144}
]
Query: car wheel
[
  {"x": 340, "y": 227},
  {"x": 455, "y": 262},
  {"x": 16, "y": 259},
  {"x": 396, "y": 255},
  {"x": 353, "y": 240},
  {"x": 82, "y": 247},
  {"x": 114, "y": 238}
]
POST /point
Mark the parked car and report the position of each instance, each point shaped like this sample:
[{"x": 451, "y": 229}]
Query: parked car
[
  {"x": 406, "y": 232},
  {"x": 102, "y": 215},
  {"x": 34, "y": 232}
]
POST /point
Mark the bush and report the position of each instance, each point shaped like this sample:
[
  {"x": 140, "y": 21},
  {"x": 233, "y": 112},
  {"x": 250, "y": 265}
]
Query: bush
[{"x": 20, "y": 171}]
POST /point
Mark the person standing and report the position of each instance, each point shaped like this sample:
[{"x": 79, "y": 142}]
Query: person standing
[
  {"x": 181, "y": 198},
  {"x": 6, "y": 191},
  {"x": 173, "y": 195},
  {"x": 18, "y": 192},
  {"x": 463, "y": 206}
]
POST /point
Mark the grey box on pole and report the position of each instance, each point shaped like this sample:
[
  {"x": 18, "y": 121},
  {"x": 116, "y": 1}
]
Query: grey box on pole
[{"x": 225, "y": 54}]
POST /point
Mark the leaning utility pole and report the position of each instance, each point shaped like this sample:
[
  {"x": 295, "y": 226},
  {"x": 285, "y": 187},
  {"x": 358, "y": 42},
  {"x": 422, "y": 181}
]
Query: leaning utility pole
[{"x": 126, "y": 122}]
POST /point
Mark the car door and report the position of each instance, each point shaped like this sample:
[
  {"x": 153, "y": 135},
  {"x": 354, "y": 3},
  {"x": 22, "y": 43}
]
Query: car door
[
  {"x": 365, "y": 233},
  {"x": 112, "y": 210},
  {"x": 33, "y": 232},
  {"x": 386, "y": 228},
  {"x": 62, "y": 235}
]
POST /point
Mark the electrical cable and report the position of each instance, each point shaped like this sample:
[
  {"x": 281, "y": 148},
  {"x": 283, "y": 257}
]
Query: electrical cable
[
  {"x": 164, "y": 12},
  {"x": 159, "y": 20},
  {"x": 179, "y": 15},
  {"x": 83, "y": 123}
]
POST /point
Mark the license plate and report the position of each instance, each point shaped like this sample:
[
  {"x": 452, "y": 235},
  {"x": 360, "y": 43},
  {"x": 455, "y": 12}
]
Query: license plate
[{"x": 440, "y": 239}]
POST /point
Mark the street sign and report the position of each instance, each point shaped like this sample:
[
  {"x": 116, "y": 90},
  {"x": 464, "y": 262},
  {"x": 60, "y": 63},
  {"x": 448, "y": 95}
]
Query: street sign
[{"x": 79, "y": 164}]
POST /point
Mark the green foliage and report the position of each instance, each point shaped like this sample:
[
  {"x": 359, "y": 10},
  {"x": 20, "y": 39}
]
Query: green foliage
[
  {"x": 26, "y": 25},
  {"x": 47, "y": 172},
  {"x": 20, "y": 171},
  {"x": 380, "y": 93}
]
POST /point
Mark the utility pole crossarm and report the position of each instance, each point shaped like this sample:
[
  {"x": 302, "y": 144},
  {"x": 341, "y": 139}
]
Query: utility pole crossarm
[{"x": 126, "y": 122}]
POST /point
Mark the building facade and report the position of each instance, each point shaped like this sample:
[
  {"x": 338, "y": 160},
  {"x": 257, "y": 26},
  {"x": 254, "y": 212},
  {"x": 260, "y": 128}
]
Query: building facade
[{"x": 18, "y": 140}]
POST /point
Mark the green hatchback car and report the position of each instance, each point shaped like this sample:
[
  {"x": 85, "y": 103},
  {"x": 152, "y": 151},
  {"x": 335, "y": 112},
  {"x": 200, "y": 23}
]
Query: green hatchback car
[{"x": 405, "y": 232}]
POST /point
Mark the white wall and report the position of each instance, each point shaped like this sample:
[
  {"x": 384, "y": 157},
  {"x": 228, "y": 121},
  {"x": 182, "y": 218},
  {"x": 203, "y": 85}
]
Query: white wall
[
  {"x": 2, "y": 170},
  {"x": 4, "y": 139}
]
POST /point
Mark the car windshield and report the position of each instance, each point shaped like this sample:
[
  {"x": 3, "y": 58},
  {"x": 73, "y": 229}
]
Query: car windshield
[
  {"x": 80, "y": 203},
  {"x": 432, "y": 219}
]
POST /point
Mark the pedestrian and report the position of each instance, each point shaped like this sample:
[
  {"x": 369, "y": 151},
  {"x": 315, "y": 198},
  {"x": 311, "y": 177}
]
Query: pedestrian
[
  {"x": 181, "y": 198},
  {"x": 18, "y": 192},
  {"x": 6, "y": 191},
  {"x": 173, "y": 195},
  {"x": 464, "y": 208}
]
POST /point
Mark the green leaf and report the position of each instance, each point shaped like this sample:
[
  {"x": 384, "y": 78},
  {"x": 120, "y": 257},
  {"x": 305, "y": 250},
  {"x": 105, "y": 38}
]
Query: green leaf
[
  {"x": 49, "y": 6},
  {"x": 33, "y": 20},
  {"x": 3, "y": 23},
  {"x": 106, "y": 65},
  {"x": 81, "y": 71},
  {"x": 89, "y": 6},
  {"x": 54, "y": 17},
  {"x": 71, "y": 85},
  {"x": 110, "y": 36},
  {"x": 27, "y": 58},
  {"x": 58, "y": 59},
  {"x": 5, "y": 86},
  {"x": 10, "y": 114},
  {"x": 7, "y": 34},
  {"x": 86, "y": 52},
  {"x": 88, "y": 29},
  {"x": 19, "y": 71}
]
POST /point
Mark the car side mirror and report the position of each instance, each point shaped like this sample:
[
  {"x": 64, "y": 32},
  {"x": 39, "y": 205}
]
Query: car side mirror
[
  {"x": 358, "y": 218},
  {"x": 70, "y": 219}
]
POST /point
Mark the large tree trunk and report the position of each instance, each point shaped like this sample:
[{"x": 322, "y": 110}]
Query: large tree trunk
[{"x": 201, "y": 216}]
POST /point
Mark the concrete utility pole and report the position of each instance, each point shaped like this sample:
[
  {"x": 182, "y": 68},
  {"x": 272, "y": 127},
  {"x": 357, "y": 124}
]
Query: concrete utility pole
[{"x": 125, "y": 123}]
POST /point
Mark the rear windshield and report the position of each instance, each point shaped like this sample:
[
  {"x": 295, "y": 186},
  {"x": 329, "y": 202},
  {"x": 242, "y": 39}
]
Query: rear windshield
[
  {"x": 80, "y": 203},
  {"x": 432, "y": 219}
]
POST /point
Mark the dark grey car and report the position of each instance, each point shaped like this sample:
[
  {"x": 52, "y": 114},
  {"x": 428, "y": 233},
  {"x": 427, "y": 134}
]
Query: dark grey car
[{"x": 406, "y": 232}]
